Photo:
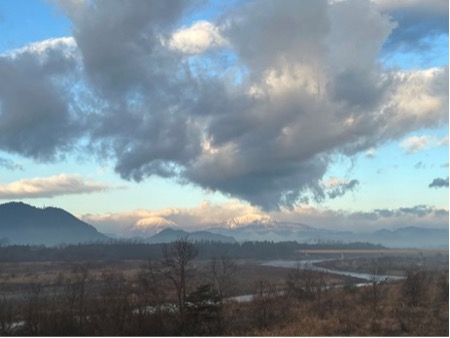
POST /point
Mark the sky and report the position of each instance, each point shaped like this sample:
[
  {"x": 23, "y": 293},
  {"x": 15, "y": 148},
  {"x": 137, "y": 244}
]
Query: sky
[{"x": 193, "y": 112}]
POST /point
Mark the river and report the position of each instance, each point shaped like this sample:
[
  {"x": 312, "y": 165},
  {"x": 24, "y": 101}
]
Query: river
[{"x": 311, "y": 264}]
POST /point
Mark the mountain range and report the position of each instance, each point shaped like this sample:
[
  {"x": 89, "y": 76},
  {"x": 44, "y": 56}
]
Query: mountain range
[{"x": 24, "y": 224}]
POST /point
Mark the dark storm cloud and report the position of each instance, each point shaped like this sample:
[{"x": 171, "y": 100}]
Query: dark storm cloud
[
  {"x": 35, "y": 119},
  {"x": 309, "y": 87},
  {"x": 142, "y": 88},
  {"x": 269, "y": 185},
  {"x": 119, "y": 41},
  {"x": 439, "y": 183}
]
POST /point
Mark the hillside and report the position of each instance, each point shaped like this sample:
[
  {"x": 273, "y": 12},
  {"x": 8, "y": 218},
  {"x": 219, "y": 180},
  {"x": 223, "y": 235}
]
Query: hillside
[{"x": 21, "y": 223}]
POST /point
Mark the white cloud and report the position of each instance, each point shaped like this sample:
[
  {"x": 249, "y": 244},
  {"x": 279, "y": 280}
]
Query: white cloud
[
  {"x": 66, "y": 44},
  {"x": 198, "y": 38},
  {"x": 63, "y": 184},
  {"x": 333, "y": 182},
  {"x": 413, "y": 144},
  {"x": 420, "y": 99},
  {"x": 371, "y": 152}
]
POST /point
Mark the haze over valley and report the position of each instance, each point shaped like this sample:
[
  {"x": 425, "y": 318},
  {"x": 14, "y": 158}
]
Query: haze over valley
[{"x": 24, "y": 224}]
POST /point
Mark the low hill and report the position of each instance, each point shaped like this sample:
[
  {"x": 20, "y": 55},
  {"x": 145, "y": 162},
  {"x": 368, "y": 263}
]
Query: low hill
[{"x": 21, "y": 223}]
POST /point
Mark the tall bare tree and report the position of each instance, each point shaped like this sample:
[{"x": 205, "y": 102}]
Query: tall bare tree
[{"x": 177, "y": 256}]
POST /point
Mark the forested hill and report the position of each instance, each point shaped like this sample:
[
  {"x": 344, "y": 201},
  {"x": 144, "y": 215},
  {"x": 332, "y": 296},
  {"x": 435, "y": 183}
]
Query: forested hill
[{"x": 21, "y": 223}]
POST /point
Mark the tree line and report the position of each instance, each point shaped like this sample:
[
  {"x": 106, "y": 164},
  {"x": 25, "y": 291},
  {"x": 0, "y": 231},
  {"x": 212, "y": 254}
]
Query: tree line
[{"x": 119, "y": 250}]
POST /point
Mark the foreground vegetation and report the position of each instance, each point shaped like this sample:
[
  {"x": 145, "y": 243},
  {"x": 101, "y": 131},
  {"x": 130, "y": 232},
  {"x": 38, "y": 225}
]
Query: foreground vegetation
[{"x": 180, "y": 294}]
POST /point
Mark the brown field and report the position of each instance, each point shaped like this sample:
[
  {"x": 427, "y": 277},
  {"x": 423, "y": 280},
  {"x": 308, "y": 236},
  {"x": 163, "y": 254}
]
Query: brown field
[{"x": 248, "y": 273}]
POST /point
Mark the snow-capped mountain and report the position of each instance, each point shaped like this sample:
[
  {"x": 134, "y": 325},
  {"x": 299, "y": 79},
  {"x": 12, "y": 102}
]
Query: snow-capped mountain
[
  {"x": 265, "y": 223},
  {"x": 149, "y": 226},
  {"x": 249, "y": 219},
  {"x": 257, "y": 227}
]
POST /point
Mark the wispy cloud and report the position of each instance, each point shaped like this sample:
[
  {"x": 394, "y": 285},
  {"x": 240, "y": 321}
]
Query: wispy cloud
[
  {"x": 416, "y": 143},
  {"x": 66, "y": 45},
  {"x": 10, "y": 165},
  {"x": 63, "y": 184},
  {"x": 336, "y": 187}
]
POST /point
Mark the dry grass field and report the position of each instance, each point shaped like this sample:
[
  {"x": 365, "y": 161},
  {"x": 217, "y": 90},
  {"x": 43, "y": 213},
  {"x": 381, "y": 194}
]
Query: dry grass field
[{"x": 142, "y": 298}]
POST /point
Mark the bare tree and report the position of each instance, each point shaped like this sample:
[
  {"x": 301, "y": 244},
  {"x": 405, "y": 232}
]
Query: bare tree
[
  {"x": 177, "y": 256},
  {"x": 375, "y": 290},
  {"x": 33, "y": 309},
  {"x": 75, "y": 295},
  {"x": 305, "y": 283},
  {"x": 6, "y": 316},
  {"x": 263, "y": 304},
  {"x": 222, "y": 272},
  {"x": 112, "y": 308}
]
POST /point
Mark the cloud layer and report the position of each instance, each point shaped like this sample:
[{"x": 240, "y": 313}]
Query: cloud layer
[
  {"x": 38, "y": 187},
  {"x": 206, "y": 215},
  {"x": 256, "y": 105}
]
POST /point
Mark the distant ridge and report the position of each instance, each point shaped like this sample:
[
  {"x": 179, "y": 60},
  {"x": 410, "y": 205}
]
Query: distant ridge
[
  {"x": 21, "y": 223},
  {"x": 266, "y": 229},
  {"x": 170, "y": 235}
]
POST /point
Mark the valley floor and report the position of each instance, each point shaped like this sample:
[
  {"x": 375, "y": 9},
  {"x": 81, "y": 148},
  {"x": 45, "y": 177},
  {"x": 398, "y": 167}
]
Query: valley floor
[{"x": 137, "y": 297}]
